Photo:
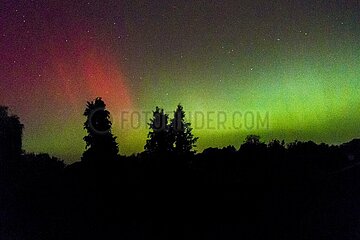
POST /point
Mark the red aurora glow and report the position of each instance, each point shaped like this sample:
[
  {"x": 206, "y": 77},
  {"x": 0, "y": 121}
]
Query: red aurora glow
[{"x": 88, "y": 72}]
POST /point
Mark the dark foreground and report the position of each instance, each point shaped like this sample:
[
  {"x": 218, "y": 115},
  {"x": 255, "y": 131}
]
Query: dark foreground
[{"x": 219, "y": 194}]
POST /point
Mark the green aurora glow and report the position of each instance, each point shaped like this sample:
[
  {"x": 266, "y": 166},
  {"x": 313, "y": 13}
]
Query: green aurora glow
[{"x": 299, "y": 63}]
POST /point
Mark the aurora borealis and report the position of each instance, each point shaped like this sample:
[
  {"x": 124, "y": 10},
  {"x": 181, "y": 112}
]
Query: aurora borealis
[{"x": 297, "y": 60}]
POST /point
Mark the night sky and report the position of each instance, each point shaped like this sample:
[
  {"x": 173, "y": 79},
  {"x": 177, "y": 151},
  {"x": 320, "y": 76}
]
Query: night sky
[{"x": 299, "y": 61}]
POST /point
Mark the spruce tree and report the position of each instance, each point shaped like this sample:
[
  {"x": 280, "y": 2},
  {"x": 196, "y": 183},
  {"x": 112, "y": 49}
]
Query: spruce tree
[
  {"x": 100, "y": 142},
  {"x": 158, "y": 138},
  {"x": 181, "y": 132}
]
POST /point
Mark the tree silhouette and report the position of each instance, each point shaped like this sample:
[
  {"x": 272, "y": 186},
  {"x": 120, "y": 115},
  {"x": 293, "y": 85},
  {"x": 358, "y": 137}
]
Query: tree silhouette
[
  {"x": 10, "y": 134},
  {"x": 253, "y": 147},
  {"x": 100, "y": 142},
  {"x": 181, "y": 134},
  {"x": 252, "y": 139},
  {"x": 159, "y": 139},
  {"x": 276, "y": 148}
]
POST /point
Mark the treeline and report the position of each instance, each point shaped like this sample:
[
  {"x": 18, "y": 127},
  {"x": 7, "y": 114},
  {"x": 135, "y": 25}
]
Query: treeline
[
  {"x": 263, "y": 190},
  {"x": 173, "y": 139}
]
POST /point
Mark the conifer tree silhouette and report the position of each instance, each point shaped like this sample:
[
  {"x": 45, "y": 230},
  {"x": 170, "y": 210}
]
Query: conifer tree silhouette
[
  {"x": 100, "y": 142},
  {"x": 181, "y": 133},
  {"x": 10, "y": 135},
  {"x": 158, "y": 138}
]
